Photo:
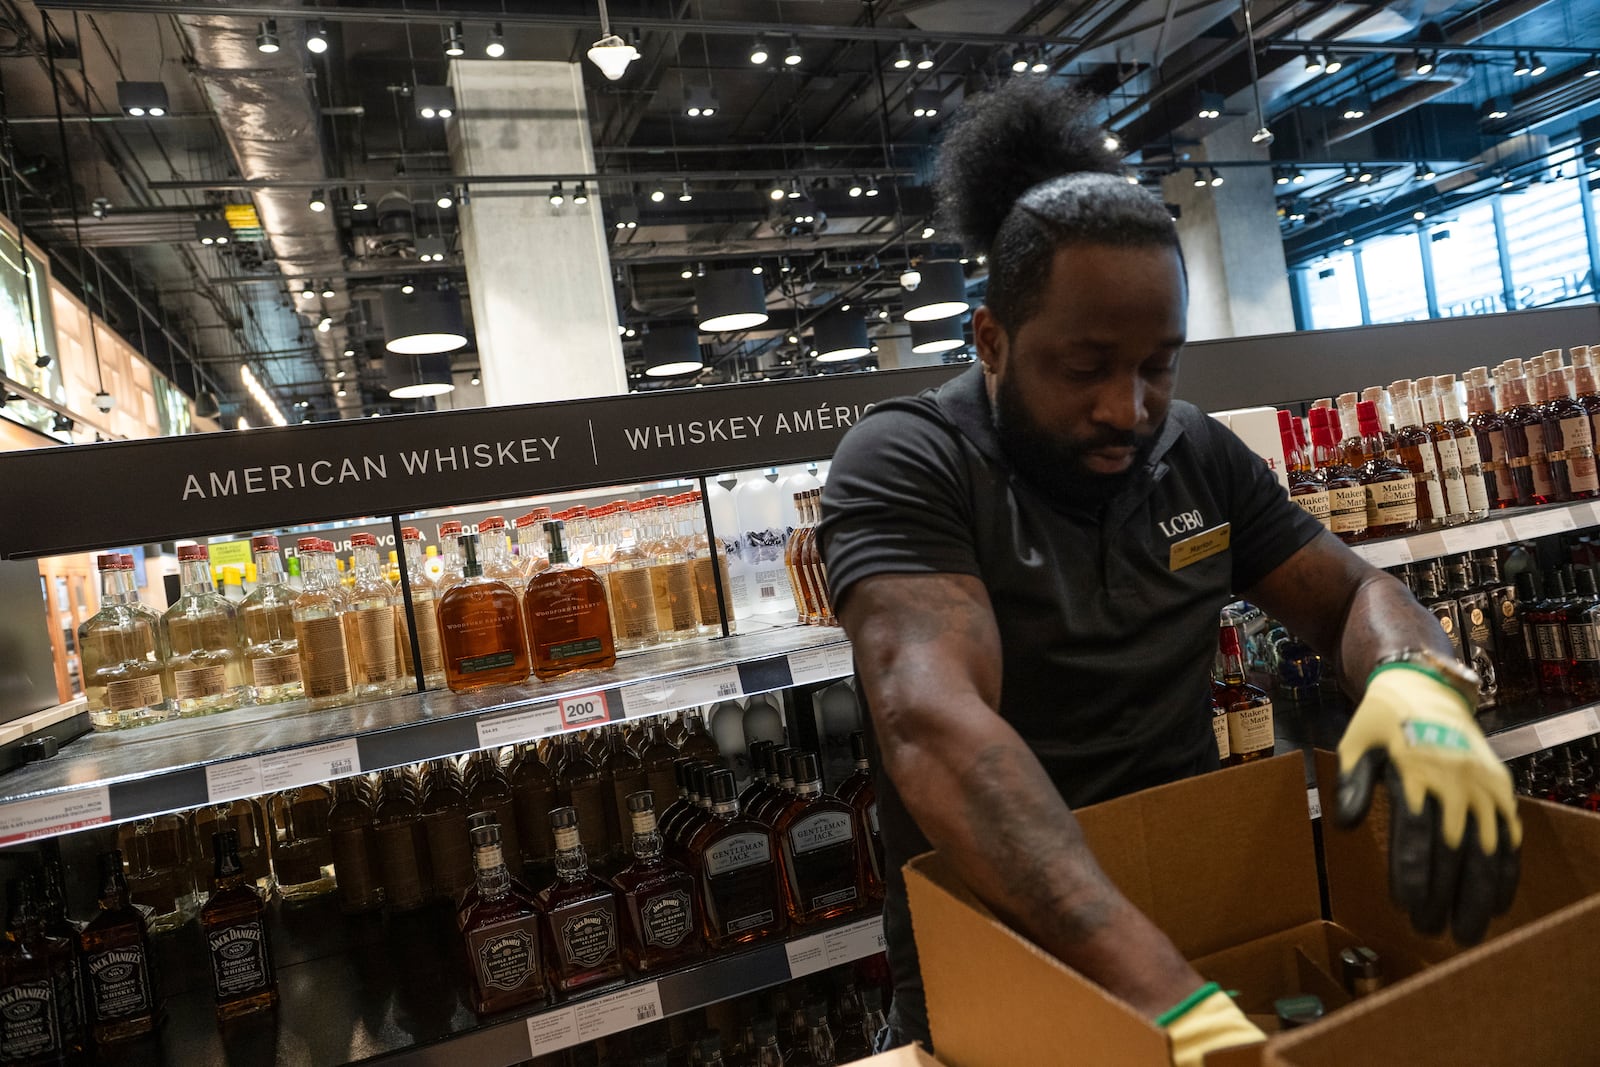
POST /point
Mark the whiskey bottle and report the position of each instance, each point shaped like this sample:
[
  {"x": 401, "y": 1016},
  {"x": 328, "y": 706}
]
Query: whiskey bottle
[
  {"x": 671, "y": 572},
  {"x": 1413, "y": 447},
  {"x": 481, "y": 628},
  {"x": 489, "y": 789},
  {"x": 55, "y": 924},
  {"x": 707, "y": 569},
  {"x": 1447, "y": 426},
  {"x": 675, "y": 812},
  {"x": 1567, "y": 432},
  {"x": 352, "y": 835},
  {"x": 203, "y": 641},
  {"x": 37, "y": 985},
  {"x": 628, "y": 588},
  {"x": 1390, "y": 486},
  {"x": 325, "y": 670},
  {"x": 766, "y": 1052},
  {"x": 580, "y": 785},
  {"x": 501, "y": 926},
  {"x": 271, "y": 656},
  {"x": 161, "y": 881},
  {"x": 1503, "y": 486},
  {"x": 233, "y": 922},
  {"x": 494, "y": 551},
  {"x": 370, "y": 624},
  {"x": 1478, "y": 644},
  {"x": 450, "y": 566},
  {"x": 1548, "y": 618},
  {"x": 1515, "y": 664},
  {"x": 661, "y": 925},
  {"x": 698, "y": 812},
  {"x": 1305, "y": 488},
  {"x": 768, "y": 810},
  {"x": 580, "y": 915},
  {"x": 119, "y": 991},
  {"x": 444, "y": 826},
  {"x": 820, "y": 850},
  {"x": 760, "y": 768},
  {"x": 1583, "y": 638},
  {"x": 569, "y": 624},
  {"x": 697, "y": 740},
  {"x": 1431, "y": 595},
  {"x": 658, "y": 756},
  {"x": 734, "y": 861},
  {"x": 818, "y": 1050},
  {"x": 425, "y": 606},
  {"x": 1250, "y": 733},
  {"x": 861, "y": 793},
  {"x": 624, "y": 775},
  {"x": 302, "y": 853},
  {"x": 812, "y": 566},
  {"x": 1347, "y": 499},
  {"x": 804, "y": 602},
  {"x": 533, "y": 554},
  {"x": 534, "y": 796},
  {"x": 121, "y": 657},
  {"x": 401, "y": 845},
  {"x": 247, "y": 820},
  {"x": 1524, "y": 430},
  {"x": 1585, "y": 389}
]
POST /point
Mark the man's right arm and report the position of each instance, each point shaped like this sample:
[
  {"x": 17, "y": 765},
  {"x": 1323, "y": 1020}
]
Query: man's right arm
[{"x": 928, "y": 651}]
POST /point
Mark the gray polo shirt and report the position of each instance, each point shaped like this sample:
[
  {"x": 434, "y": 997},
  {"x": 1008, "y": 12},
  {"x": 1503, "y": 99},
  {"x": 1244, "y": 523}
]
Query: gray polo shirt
[{"x": 1106, "y": 647}]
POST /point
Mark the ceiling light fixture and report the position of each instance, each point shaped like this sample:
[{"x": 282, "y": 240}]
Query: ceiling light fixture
[
  {"x": 495, "y": 46},
  {"x": 627, "y": 216},
  {"x": 360, "y": 201},
  {"x": 1591, "y": 69},
  {"x": 556, "y": 196},
  {"x": 141, "y": 99},
  {"x": 212, "y": 232},
  {"x": 1314, "y": 63},
  {"x": 580, "y": 195},
  {"x": 1520, "y": 66},
  {"x": 700, "y": 101},
  {"x": 793, "y": 56},
  {"x": 925, "y": 58},
  {"x": 686, "y": 273},
  {"x": 1348, "y": 241},
  {"x": 838, "y": 336},
  {"x": 1427, "y": 63},
  {"x": 1199, "y": 179},
  {"x": 684, "y": 195},
  {"x": 477, "y": 379},
  {"x": 267, "y": 36},
  {"x": 657, "y": 195},
  {"x": 324, "y": 324},
  {"x": 407, "y": 288},
  {"x": 758, "y": 53},
  {"x": 1298, "y": 177},
  {"x": 940, "y": 293},
  {"x": 317, "y": 37},
  {"x": 929, "y": 336},
  {"x": 1419, "y": 215},
  {"x": 1365, "y": 176},
  {"x": 434, "y": 101},
  {"x": 728, "y": 300},
  {"x": 445, "y": 202},
  {"x": 307, "y": 292},
  {"x": 672, "y": 351},
  {"x": 453, "y": 46},
  {"x": 1041, "y": 63},
  {"x": 1497, "y": 107},
  {"x": 855, "y": 189},
  {"x": 318, "y": 201},
  {"x": 1216, "y": 177},
  {"x": 1280, "y": 177},
  {"x": 1333, "y": 64},
  {"x": 1211, "y": 104},
  {"x": 872, "y": 186},
  {"x": 1535, "y": 66},
  {"x": 423, "y": 323},
  {"x": 327, "y": 291},
  {"x": 902, "y": 57},
  {"x": 927, "y": 232},
  {"x": 784, "y": 266},
  {"x": 777, "y": 191},
  {"x": 924, "y": 103}
]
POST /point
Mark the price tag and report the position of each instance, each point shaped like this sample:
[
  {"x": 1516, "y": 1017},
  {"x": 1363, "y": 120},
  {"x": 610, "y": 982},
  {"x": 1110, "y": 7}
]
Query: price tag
[
  {"x": 583, "y": 709},
  {"x": 647, "y": 698},
  {"x": 1541, "y": 523},
  {"x": 234, "y": 779},
  {"x": 841, "y": 661},
  {"x": 1473, "y": 537},
  {"x": 1314, "y": 802},
  {"x": 497, "y": 730},
  {"x": 1514, "y": 743},
  {"x": 808, "y": 955},
  {"x": 1565, "y": 728},
  {"x": 27, "y": 820},
  {"x": 809, "y": 665},
  {"x": 1387, "y": 553},
  {"x": 621, "y": 1010},
  {"x": 553, "y": 1030},
  {"x": 854, "y": 942},
  {"x": 1594, "y": 514},
  {"x": 304, "y": 766},
  {"x": 711, "y": 686}
]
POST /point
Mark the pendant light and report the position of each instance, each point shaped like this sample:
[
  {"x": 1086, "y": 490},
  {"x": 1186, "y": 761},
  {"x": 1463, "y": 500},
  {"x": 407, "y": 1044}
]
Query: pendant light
[
  {"x": 423, "y": 322},
  {"x": 672, "y": 351},
  {"x": 416, "y": 375},
  {"x": 611, "y": 53},
  {"x": 840, "y": 335},
  {"x": 731, "y": 299},
  {"x": 929, "y": 336},
  {"x": 943, "y": 292}
]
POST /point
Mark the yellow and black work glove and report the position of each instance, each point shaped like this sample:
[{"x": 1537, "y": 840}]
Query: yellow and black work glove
[
  {"x": 1455, "y": 839},
  {"x": 1206, "y": 1020}
]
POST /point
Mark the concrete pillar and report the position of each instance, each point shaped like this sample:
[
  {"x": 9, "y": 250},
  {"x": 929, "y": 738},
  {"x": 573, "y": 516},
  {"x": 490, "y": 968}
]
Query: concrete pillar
[
  {"x": 540, "y": 275},
  {"x": 1238, "y": 279},
  {"x": 894, "y": 350}
]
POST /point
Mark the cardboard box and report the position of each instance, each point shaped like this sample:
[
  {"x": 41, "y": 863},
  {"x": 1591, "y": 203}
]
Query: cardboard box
[
  {"x": 1529, "y": 998},
  {"x": 1258, "y": 428},
  {"x": 909, "y": 1056},
  {"x": 1225, "y": 864}
]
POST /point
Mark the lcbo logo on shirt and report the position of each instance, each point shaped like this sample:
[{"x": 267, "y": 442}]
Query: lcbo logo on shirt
[{"x": 1182, "y": 523}]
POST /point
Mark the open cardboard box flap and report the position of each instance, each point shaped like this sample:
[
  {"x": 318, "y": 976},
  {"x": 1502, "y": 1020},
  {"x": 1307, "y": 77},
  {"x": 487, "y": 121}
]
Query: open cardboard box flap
[{"x": 906, "y": 1056}]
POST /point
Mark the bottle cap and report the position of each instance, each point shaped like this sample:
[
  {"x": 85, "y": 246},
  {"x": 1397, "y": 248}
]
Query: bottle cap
[
  {"x": 325, "y": 545},
  {"x": 493, "y": 522},
  {"x": 552, "y": 526},
  {"x": 758, "y": 752},
  {"x": 522, "y": 522},
  {"x": 816, "y": 1012},
  {"x": 309, "y": 544},
  {"x": 127, "y": 561},
  {"x": 1367, "y": 417},
  {"x": 108, "y": 561},
  {"x": 858, "y": 746},
  {"x": 1359, "y": 963},
  {"x": 486, "y": 836},
  {"x": 722, "y": 791},
  {"x": 264, "y": 543},
  {"x": 192, "y": 552},
  {"x": 363, "y": 540},
  {"x": 1297, "y": 1011},
  {"x": 765, "y": 1027},
  {"x": 1511, "y": 368},
  {"x": 807, "y": 769},
  {"x": 225, "y": 848},
  {"x": 643, "y": 800},
  {"x": 449, "y": 529},
  {"x": 482, "y": 818},
  {"x": 709, "y": 1045},
  {"x": 410, "y": 533},
  {"x": 680, "y": 770}
]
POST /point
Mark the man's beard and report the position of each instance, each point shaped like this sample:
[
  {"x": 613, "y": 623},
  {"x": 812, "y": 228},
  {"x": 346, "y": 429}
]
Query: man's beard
[{"x": 1055, "y": 464}]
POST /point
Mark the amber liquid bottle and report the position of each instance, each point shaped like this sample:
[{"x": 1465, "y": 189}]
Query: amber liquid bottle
[
  {"x": 533, "y": 794},
  {"x": 352, "y": 836},
  {"x": 122, "y": 676},
  {"x": 861, "y": 793},
  {"x": 624, "y": 775},
  {"x": 38, "y": 985},
  {"x": 501, "y": 926},
  {"x": 480, "y": 628},
  {"x": 402, "y": 845},
  {"x": 1305, "y": 488},
  {"x": 811, "y": 563},
  {"x": 302, "y": 854},
  {"x": 444, "y": 824},
  {"x": 1413, "y": 446},
  {"x": 760, "y": 768},
  {"x": 233, "y": 922},
  {"x": 679, "y": 809},
  {"x": 661, "y": 919},
  {"x": 820, "y": 846},
  {"x": 489, "y": 789},
  {"x": 658, "y": 755},
  {"x": 1455, "y": 439},
  {"x": 1506, "y": 486},
  {"x": 1250, "y": 733},
  {"x": 737, "y": 867},
  {"x": 1390, "y": 486},
  {"x": 119, "y": 990},
  {"x": 581, "y": 942},
  {"x": 580, "y": 785},
  {"x": 247, "y": 819},
  {"x": 1567, "y": 431},
  {"x": 805, "y": 603},
  {"x": 1347, "y": 499},
  {"x": 569, "y": 624},
  {"x": 1524, "y": 431}
]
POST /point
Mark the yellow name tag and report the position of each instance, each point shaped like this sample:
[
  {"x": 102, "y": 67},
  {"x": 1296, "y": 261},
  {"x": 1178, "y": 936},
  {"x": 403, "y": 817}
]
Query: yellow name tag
[{"x": 1203, "y": 545}]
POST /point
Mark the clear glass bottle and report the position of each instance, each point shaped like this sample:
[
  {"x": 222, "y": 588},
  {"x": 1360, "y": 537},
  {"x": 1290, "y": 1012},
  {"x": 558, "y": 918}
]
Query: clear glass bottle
[
  {"x": 370, "y": 626},
  {"x": 425, "y": 606},
  {"x": 302, "y": 852},
  {"x": 161, "y": 880},
  {"x": 661, "y": 925},
  {"x": 233, "y": 922},
  {"x": 501, "y": 926},
  {"x": 123, "y": 680},
  {"x": 450, "y": 565},
  {"x": 707, "y": 569},
  {"x": 569, "y": 619},
  {"x": 205, "y": 647},
  {"x": 629, "y": 593},
  {"x": 481, "y": 628},
  {"x": 671, "y": 572},
  {"x": 737, "y": 867},
  {"x": 119, "y": 989},
  {"x": 325, "y": 670},
  {"x": 582, "y": 947},
  {"x": 533, "y": 553},
  {"x": 352, "y": 833},
  {"x": 820, "y": 847},
  {"x": 1305, "y": 488},
  {"x": 272, "y": 657},
  {"x": 1450, "y": 431}
]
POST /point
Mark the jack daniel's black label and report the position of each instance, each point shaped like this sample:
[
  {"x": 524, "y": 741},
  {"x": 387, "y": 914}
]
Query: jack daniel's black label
[
  {"x": 119, "y": 983},
  {"x": 239, "y": 961},
  {"x": 28, "y": 1024}
]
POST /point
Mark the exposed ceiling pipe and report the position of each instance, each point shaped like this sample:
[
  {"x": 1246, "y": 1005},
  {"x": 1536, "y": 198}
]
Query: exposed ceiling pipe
[{"x": 266, "y": 112}]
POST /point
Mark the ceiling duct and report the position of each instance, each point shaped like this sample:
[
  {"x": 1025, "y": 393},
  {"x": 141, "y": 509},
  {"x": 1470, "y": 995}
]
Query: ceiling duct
[{"x": 266, "y": 112}]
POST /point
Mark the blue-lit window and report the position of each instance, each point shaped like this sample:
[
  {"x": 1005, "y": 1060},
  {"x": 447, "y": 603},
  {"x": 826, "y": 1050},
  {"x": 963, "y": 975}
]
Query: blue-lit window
[
  {"x": 1466, "y": 262},
  {"x": 1546, "y": 242},
  {"x": 1333, "y": 293},
  {"x": 1392, "y": 267}
]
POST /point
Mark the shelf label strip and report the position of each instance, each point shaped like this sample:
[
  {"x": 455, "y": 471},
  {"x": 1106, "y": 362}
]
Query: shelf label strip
[
  {"x": 807, "y": 955},
  {"x": 622, "y": 1010},
  {"x": 1386, "y": 553},
  {"x": 27, "y": 820},
  {"x": 820, "y": 664},
  {"x": 305, "y": 766},
  {"x": 1565, "y": 728},
  {"x": 1541, "y": 523},
  {"x": 661, "y": 695},
  {"x": 233, "y": 779},
  {"x": 854, "y": 942},
  {"x": 497, "y": 730},
  {"x": 765, "y": 675}
]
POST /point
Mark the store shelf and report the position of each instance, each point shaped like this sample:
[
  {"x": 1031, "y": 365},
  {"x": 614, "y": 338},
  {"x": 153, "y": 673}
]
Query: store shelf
[
  {"x": 114, "y": 777},
  {"x": 1517, "y": 524},
  {"x": 1548, "y": 732},
  {"x": 363, "y": 988}
]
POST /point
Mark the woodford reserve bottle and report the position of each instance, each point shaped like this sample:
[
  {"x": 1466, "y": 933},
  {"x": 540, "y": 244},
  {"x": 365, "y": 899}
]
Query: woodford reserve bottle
[
  {"x": 119, "y": 992},
  {"x": 480, "y": 625},
  {"x": 569, "y": 624},
  {"x": 819, "y": 844},
  {"x": 661, "y": 923},
  {"x": 1250, "y": 735},
  {"x": 734, "y": 860},
  {"x": 203, "y": 641},
  {"x": 501, "y": 927},
  {"x": 233, "y": 923},
  {"x": 580, "y": 915},
  {"x": 272, "y": 660}
]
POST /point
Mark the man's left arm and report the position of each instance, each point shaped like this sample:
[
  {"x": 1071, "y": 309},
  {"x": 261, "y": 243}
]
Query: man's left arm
[{"x": 1454, "y": 834}]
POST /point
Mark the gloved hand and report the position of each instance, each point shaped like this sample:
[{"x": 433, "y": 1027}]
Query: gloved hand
[
  {"x": 1455, "y": 839},
  {"x": 1207, "y": 1020}
]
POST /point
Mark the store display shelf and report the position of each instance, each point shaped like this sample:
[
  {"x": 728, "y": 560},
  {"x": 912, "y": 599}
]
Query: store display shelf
[
  {"x": 362, "y": 988},
  {"x": 114, "y": 777},
  {"x": 1573, "y": 724},
  {"x": 1517, "y": 524}
]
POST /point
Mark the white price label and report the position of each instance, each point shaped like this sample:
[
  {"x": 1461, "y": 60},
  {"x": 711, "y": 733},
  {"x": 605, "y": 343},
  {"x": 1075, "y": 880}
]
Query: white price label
[
  {"x": 553, "y": 1030},
  {"x": 841, "y": 661},
  {"x": 1314, "y": 803},
  {"x": 26, "y": 820},
  {"x": 808, "y": 955},
  {"x": 1594, "y": 513},
  {"x": 854, "y": 942},
  {"x": 1473, "y": 537},
  {"x": 233, "y": 779},
  {"x": 648, "y": 698},
  {"x": 518, "y": 726},
  {"x": 708, "y": 687},
  {"x": 1387, "y": 553},
  {"x": 305, "y": 766},
  {"x": 809, "y": 665},
  {"x": 1565, "y": 728},
  {"x": 583, "y": 709},
  {"x": 1542, "y": 523},
  {"x": 619, "y": 1011}
]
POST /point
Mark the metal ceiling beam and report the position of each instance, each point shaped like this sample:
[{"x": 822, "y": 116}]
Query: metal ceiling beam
[
  {"x": 552, "y": 20},
  {"x": 1400, "y": 48},
  {"x": 472, "y": 180}
]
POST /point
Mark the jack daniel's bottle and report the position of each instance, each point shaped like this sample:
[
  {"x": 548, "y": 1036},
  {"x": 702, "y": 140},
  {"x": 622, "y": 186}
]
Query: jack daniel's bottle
[
  {"x": 501, "y": 927},
  {"x": 234, "y": 924},
  {"x": 119, "y": 990},
  {"x": 581, "y": 943}
]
